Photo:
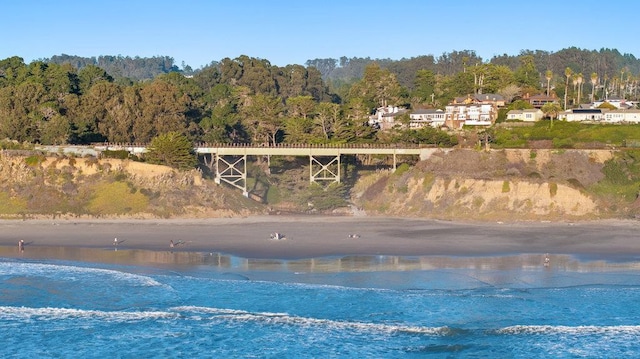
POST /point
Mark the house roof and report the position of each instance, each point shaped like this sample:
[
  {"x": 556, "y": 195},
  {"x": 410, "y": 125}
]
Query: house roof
[
  {"x": 587, "y": 110},
  {"x": 394, "y": 114},
  {"x": 488, "y": 97},
  {"x": 425, "y": 111},
  {"x": 526, "y": 110},
  {"x": 541, "y": 97}
]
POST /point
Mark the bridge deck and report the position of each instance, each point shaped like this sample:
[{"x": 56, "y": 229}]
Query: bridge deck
[{"x": 245, "y": 150}]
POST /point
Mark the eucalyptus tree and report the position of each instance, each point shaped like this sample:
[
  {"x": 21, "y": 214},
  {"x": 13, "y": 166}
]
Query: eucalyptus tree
[
  {"x": 461, "y": 84},
  {"x": 424, "y": 87},
  {"x": 526, "y": 75},
  {"x": 10, "y": 68},
  {"x": 90, "y": 75},
  {"x": 251, "y": 72},
  {"x": 55, "y": 131},
  {"x": 594, "y": 81},
  {"x": 113, "y": 110},
  {"x": 496, "y": 77},
  {"x": 190, "y": 92},
  {"x": 208, "y": 77},
  {"x": 15, "y": 123},
  {"x": 622, "y": 72},
  {"x": 221, "y": 124},
  {"x": 378, "y": 87},
  {"x": 163, "y": 110},
  {"x": 292, "y": 81}
]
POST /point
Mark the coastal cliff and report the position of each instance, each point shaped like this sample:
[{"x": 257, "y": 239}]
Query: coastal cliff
[
  {"x": 453, "y": 184},
  {"x": 496, "y": 185}
]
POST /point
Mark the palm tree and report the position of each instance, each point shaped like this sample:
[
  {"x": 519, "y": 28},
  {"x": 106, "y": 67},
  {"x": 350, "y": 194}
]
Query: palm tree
[
  {"x": 624, "y": 69},
  {"x": 574, "y": 81},
  {"x": 549, "y": 76},
  {"x": 594, "y": 80},
  {"x": 567, "y": 73},
  {"x": 551, "y": 109},
  {"x": 580, "y": 79}
]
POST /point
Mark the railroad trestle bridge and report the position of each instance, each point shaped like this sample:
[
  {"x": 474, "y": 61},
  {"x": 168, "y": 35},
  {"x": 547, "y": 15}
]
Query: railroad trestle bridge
[{"x": 231, "y": 159}]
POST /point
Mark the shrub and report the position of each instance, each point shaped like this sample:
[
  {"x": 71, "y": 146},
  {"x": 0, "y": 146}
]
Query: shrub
[
  {"x": 12, "y": 205},
  {"x": 505, "y": 187},
  {"x": 34, "y": 160},
  {"x": 322, "y": 199},
  {"x": 117, "y": 154},
  {"x": 116, "y": 198},
  {"x": 403, "y": 168}
]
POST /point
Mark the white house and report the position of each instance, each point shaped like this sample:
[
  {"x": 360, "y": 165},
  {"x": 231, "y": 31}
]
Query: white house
[
  {"x": 385, "y": 117},
  {"x": 457, "y": 116},
  {"x": 527, "y": 115},
  {"x": 583, "y": 114},
  {"x": 426, "y": 117},
  {"x": 622, "y": 116}
]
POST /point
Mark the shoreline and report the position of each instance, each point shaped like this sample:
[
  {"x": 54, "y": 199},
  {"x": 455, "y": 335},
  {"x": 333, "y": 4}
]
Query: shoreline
[{"x": 325, "y": 236}]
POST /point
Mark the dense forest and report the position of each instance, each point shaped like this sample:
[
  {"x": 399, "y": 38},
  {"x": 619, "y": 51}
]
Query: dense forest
[{"x": 69, "y": 99}]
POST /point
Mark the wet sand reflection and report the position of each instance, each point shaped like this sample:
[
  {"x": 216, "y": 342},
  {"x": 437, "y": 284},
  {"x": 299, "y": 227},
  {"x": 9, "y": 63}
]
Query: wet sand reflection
[{"x": 351, "y": 263}]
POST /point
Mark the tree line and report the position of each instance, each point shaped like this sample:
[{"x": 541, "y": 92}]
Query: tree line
[{"x": 248, "y": 100}]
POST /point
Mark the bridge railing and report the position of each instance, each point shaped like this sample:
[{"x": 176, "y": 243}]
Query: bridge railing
[{"x": 313, "y": 145}]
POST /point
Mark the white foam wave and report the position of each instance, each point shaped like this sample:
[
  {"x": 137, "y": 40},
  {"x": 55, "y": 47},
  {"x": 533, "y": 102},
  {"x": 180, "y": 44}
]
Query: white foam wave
[
  {"x": 571, "y": 330},
  {"x": 48, "y": 313},
  {"x": 72, "y": 273},
  {"x": 286, "y": 319}
]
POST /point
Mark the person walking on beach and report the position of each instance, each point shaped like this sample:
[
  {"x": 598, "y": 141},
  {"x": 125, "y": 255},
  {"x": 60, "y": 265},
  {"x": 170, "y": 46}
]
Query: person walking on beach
[
  {"x": 115, "y": 243},
  {"x": 21, "y": 245}
]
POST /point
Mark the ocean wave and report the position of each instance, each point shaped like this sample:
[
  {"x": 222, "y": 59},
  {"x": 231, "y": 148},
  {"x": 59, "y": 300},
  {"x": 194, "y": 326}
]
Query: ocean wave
[
  {"x": 72, "y": 273},
  {"x": 49, "y": 313},
  {"x": 571, "y": 330},
  {"x": 287, "y": 319}
]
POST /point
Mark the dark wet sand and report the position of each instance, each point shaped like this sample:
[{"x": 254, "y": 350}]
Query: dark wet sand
[{"x": 314, "y": 237}]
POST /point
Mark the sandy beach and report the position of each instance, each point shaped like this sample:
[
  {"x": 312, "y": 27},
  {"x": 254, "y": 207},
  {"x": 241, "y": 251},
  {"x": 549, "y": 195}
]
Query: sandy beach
[{"x": 316, "y": 236}]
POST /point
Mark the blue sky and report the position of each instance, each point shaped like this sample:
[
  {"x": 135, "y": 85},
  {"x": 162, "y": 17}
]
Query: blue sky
[{"x": 292, "y": 32}]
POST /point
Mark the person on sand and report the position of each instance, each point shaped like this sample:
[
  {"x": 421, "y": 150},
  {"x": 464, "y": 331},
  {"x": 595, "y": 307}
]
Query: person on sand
[
  {"x": 21, "y": 245},
  {"x": 171, "y": 243}
]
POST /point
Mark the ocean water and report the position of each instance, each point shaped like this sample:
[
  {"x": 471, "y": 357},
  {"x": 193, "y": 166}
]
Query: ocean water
[{"x": 131, "y": 304}]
